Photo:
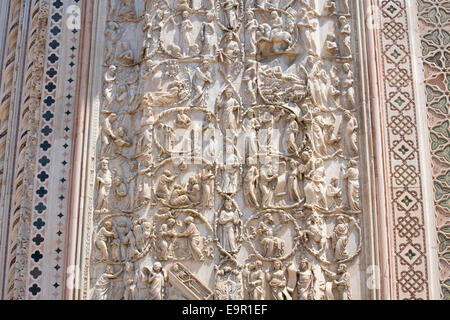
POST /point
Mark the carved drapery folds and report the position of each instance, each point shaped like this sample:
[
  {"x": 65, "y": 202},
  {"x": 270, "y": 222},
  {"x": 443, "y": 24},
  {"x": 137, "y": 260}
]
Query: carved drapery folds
[{"x": 227, "y": 160}]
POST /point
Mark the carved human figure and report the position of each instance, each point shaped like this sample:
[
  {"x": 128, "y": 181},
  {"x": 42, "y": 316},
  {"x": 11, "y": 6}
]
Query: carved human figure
[
  {"x": 162, "y": 184},
  {"x": 251, "y": 186},
  {"x": 167, "y": 234},
  {"x": 250, "y": 32},
  {"x": 272, "y": 246},
  {"x": 249, "y": 78},
  {"x": 335, "y": 192},
  {"x": 113, "y": 33},
  {"x": 208, "y": 36},
  {"x": 316, "y": 231},
  {"x": 252, "y": 126},
  {"x": 348, "y": 90},
  {"x": 127, "y": 9},
  {"x": 339, "y": 239},
  {"x": 202, "y": 77},
  {"x": 193, "y": 237},
  {"x": 186, "y": 28},
  {"x": 228, "y": 227},
  {"x": 144, "y": 144},
  {"x": 308, "y": 26},
  {"x": 178, "y": 196},
  {"x": 293, "y": 183},
  {"x": 107, "y": 134},
  {"x": 208, "y": 178},
  {"x": 156, "y": 280},
  {"x": 104, "y": 180},
  {"x": 209, "y": 137},
  {"x": 345, "y": 7},
  {"x": 267, "y": 190},
  {"x": 316, "y": 84},
  {"x": 316, "y": 188},
  {"x": 269, "y": 121},
  {"x": 280, "y": 38},
  {"x": 231, "y": 171},
  {"x": 340, "y": 281},
  {"x": 346, "y": 37},
  {"x": 278, "y": 282},
  {"x": 108, "y": 89},
  {"x": 194, "y": 189},
  {"x": 126, "y": 55},
  {"x": 351, "y": 174},
  {"x": 331, "y": 47},
  {"x": 229, "y": 54},
  {"x": 291, "y": 134},
  {"x": 103, "y": 235},
  {"x": 305, "y": 282},
  {"x": 103, "y": 287},
  {"x": 130, "y": 282},
  {"x": 255, "y": 281},
  {"x": 230, "y": 112},
  {"x": 144, "y": 176},
  {"x": 120, "y": 189},
  {"x": 230, "y": 8},
  {"x": 351, "y": 133}
]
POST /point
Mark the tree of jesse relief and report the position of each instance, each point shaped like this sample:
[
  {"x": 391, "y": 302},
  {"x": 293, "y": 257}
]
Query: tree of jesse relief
[{"x": 227, "y": 162}]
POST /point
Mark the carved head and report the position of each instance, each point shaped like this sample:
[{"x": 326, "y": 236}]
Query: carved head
[
  {"x": 304, "y": 264},
  {"x": 277, "y": 265},
  {"x": 342, "y": 268},
  {"x": 228, "y": 205},
  {"x": 210, "y": 16},
  {"x": 250, "y": 14},
  {"x": 346, "y": 67},
  {"x": 342, "y": 20},
  {"x": 157, "y": 267},
  {"x": 108, "y": 225},
  {"x": 274, "y": 15},
  {"x": 104, "y": 165},
  {"x": 185, "y": 14},
  {"x": 171, "y": 222},
  {"x": 228, "y": 93},
  {"x": 340, "y": 219},
  {"x": 189, "y": 220}
]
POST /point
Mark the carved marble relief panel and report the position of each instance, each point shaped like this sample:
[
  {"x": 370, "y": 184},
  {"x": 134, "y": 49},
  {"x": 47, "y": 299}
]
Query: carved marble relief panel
[{"x": 225, "y": 157}]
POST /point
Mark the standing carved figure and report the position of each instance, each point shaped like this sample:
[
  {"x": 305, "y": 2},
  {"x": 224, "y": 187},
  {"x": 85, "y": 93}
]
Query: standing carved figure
[
  {"x": 208, "y": 178},
  {"x": 104, "y": 180},
  {"x": 250, "y": 32},
  {"x": 255, "y": 281},
  {"x": 305, "y": 283},
  {"x": 168, "y": 233},
  {"x": 230, "y": 8},
  {"x": 346, "y": 37},
  {"x": 228, "y": 227},
  {"x": 293, "y": 183},
  {"x": 339, "y": 239},
  {"x": 278, "y": 282},
  {"x": 208, "y": 36},
  {"x": 251, "y": 186},
  {"x": 106, "y": 232},
  {"x": 351, "y": 133},
  {"x": 193, "y": 237},
  {"x": 108, "y": 90},
  {"x": 156, "y": 279},
  {"x": 267, "y": 191},
  {"x": 103, "y": 286},
  {"x": 347, "y": 86},
  {"x": 352, "y": 177},
  {"x": 201, "y": 78},
  {"x": 130, "y": 282}
]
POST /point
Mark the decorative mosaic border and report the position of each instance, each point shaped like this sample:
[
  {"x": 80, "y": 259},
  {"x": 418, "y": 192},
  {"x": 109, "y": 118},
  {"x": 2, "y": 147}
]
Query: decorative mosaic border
[
  {"x": 47, "y": 248},
  {"x": 434, "y": 30},
  {"x": 406, "y": 219}
]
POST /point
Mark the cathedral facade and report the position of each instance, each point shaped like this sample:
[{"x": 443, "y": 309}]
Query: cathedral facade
[{"x": 224, "y": 149}]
